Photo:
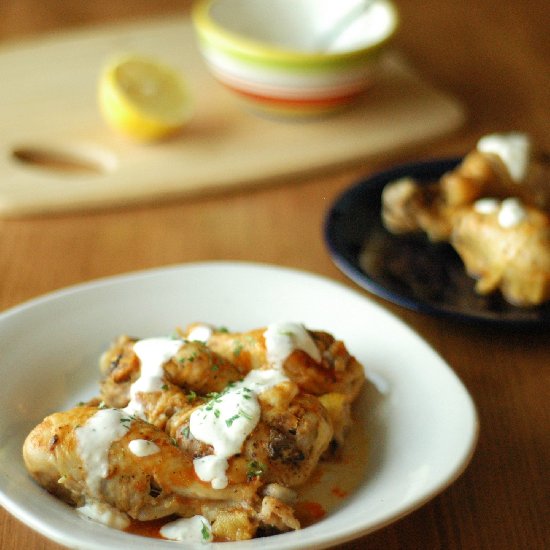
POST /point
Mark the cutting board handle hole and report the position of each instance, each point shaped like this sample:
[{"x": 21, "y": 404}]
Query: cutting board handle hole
[{"x": 66, "y": 161}]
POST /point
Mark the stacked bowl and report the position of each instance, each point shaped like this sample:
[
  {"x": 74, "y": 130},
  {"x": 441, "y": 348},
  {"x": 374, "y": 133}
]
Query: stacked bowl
[{"x": 294, "y": 57}]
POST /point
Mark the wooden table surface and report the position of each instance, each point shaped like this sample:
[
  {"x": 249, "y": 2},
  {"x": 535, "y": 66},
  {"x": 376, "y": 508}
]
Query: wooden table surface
[{"x": 495, "y": 57}]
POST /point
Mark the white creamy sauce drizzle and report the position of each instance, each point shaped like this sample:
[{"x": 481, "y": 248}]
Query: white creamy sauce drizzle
[
  {"x": 195, "y": 529},
  {"x": 510, "y": 212},
  {"x": 143, "y": 447},
  {"x": 152, "y": 354},
  {"x": 96, "y": 436},
  {"x": 486, "y": 206},
  {"x": 200, "y": 333},
  {"x": 213, "y": 470},
  {"x": 94, "y": 440},
  {"x": 227, "y": 420},
  {"x": 514, "y": 149},
  {"x": 105, "y": 514},
  {"x": 281, "y": 339}
]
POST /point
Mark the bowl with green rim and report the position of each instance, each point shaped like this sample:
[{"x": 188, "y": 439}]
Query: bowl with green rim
[{"x": 294, "y": 57}]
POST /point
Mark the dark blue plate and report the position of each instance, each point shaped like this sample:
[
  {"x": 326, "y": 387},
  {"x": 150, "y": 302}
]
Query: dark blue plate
[{"x": 408, "y": 270}]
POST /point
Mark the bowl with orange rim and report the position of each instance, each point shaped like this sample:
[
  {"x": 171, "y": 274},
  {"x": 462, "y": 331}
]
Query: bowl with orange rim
[{"x": 294, "y": 57}]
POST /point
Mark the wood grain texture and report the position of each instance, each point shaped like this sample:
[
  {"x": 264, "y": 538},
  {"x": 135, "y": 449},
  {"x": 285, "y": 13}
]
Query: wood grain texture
[
  {"x": 223, "y": 147},
  {"x": 493, "y": 56}
]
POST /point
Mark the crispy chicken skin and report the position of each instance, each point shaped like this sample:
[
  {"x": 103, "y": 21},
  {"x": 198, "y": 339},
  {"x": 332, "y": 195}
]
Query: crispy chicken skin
[
  {"x": 195, "y": 367},
  {"x": 513, "y": 259},
  {"x": 337, "y": 372},
  {"x": 147, "y": 487}
]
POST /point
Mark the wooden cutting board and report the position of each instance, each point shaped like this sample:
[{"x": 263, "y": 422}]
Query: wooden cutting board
[{"x": 48, "y": 109}]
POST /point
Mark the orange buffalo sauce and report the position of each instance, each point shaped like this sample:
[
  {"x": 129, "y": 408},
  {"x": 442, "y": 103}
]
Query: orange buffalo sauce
[
  {"x": 309, "y": 512},
  {"x": 339, "y": 492},
  {"x": 149, "y": 528}
]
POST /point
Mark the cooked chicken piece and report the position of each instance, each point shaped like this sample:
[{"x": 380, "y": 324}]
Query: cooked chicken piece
[
  {"x": 291, "y": 440},
  {"x": 200, "y": 369},
  {"x": 334, "y": 371},
  {"x": 512, "y": 256},
  {"x": 235, "y": 524},
  {"x": 119, "y": 366},
  {"x": 339, "y": 411},
  {"x": 293, "y": 433},
  {"x": 515, "y": 260},
  {"x": 194, "y": 367},
  {"x": 409, "y": 207},
  {"x": 164, "y": 408},
  {"x": 485, "y": 175},
  {"x": 145, "y": 487},
  {"x": 278, "y": 514},
  {"x": 244, "y": 349},
  {"x": 478, "y": 175},
  {"x": 63, "y": 456},
  {"x": 280, "y": 492}
]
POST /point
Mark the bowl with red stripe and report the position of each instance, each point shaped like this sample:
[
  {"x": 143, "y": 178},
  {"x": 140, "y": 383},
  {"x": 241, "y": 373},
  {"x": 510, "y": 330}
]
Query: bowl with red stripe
[{"x": 294, "y": 57}]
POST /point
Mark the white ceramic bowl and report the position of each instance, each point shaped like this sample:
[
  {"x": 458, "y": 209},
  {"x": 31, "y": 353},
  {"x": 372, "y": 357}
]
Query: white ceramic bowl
[
  {"x": 295, "y": 57},
  {"x": 421, "y": 423}
]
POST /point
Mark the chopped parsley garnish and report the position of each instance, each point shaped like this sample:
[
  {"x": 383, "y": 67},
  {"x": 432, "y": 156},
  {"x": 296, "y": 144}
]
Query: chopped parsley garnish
[
  {"x": 205, "y": 531},
  {"x": 230, "y": 421},
  {"x": 185, "y": 431},
  {"x": 189, "y": 359},
  {"x": 237, "y": 349},
  {"x": 126, "y": 421},
  {"x": 244, "y": 414},
  {"x": 191, "y": 396},
  {"x": 255, "y": 469}
]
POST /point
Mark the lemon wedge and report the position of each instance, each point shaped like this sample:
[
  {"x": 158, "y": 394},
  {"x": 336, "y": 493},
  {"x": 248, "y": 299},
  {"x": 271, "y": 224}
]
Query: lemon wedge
[{"x": 144, "y": 98}]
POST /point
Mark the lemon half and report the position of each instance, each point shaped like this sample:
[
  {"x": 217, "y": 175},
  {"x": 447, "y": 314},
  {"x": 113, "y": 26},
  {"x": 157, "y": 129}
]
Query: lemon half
[{"x": 144, "y": 98}]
